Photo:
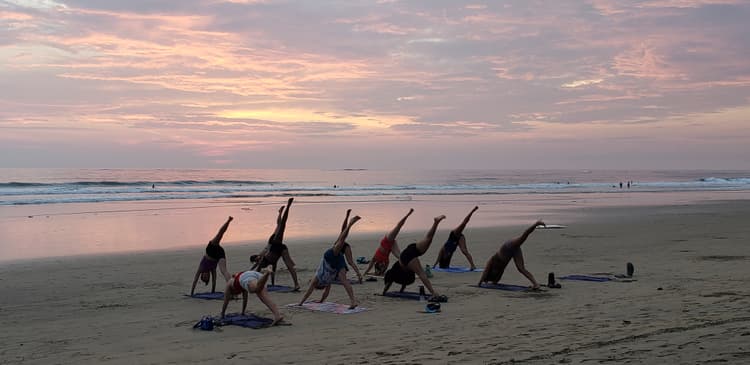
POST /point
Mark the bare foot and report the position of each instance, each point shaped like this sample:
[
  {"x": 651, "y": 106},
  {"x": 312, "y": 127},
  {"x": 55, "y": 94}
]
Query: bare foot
[
  {"x": 411, "y": 210},
  {"x": 289, "y": 201},
  {"x": 355, "y": 303},
  {"x": 355, "y": 219},
  {"x": 230, "y": 218},
  {"x": 439, "y": 218},
  {"x": 277, "y": 321}
]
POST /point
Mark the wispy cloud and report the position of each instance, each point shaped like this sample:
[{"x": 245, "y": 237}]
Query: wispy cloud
[{"x": 222, "y": 78}]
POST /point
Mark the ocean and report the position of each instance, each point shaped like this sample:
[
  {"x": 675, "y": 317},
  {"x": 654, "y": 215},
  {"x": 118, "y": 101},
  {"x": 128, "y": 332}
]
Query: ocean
[
  {"x": 59, "y": 186},
  {"x": 49, "y": 213}
]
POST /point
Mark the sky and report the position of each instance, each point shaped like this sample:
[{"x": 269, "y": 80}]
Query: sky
[{"x": 375, "y": 84}]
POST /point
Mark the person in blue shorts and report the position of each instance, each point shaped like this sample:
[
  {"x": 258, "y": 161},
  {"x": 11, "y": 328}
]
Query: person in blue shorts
[{"x": 333, "y": 267}]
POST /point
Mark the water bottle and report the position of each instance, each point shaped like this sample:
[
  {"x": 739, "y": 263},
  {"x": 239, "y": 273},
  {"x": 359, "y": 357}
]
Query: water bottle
[{"x": 422, "y": 297}]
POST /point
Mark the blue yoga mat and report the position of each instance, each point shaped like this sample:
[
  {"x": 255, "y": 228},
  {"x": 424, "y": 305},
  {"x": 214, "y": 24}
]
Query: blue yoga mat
[
  {"x": 248, "y": 320},
  {"x": 508, "y": 287},
  {"x": 279, "y": 288},
  {"x": 404, "y": 295},
  {"x": 456, "y": 269},
  {"x": 216, "y": 295},
  {"x": 598, "y": 279}
]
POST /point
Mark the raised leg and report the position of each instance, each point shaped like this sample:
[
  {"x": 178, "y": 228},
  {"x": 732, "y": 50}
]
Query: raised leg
[
  {"x": 425, "y": 243},
  {"x": 394, "y": 232}
]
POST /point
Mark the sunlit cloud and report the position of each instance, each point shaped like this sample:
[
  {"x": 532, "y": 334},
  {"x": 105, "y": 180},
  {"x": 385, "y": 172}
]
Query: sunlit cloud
[
  {"x": 226, "y": 79},
  {"x": 579, "y": 83}
]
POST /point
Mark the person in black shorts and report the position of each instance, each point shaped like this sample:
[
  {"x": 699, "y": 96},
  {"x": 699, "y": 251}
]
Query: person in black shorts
[
  {"x": 511, "y": 249},
  {"x": 404, "y": 270},
  {"x": 214, "y": 256},
  {"x": 276, "y": 249},
  {"x": 455, "y": 240}
]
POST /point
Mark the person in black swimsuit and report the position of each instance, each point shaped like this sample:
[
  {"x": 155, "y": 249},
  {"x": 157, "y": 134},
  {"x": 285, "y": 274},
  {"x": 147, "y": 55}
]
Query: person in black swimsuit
[
  {"x": 403, "y": 271},
  {"x": 276, "y": 249},
  {"x": 455, "y": 240},
  {"x": 213, "y": 257},
  {"x": 511, "y": 249}
]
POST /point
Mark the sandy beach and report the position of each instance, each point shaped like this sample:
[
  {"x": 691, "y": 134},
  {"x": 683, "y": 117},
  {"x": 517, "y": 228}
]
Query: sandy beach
[{"x": 688, "y": 303}]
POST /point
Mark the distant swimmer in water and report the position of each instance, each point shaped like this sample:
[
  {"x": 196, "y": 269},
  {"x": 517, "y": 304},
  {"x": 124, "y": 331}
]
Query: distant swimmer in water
[
  {"x": 333, "y": 267},
  {"x": 245, "y": 282},
  {"x": 511, "y": 249},
  {"x": 213, "y": 257},
  {"x": 404, "y": 270},
  {"x": 388, "y": 246},
  {"x": 455, "y": 240},
  {"x": 276, "y": 249}
]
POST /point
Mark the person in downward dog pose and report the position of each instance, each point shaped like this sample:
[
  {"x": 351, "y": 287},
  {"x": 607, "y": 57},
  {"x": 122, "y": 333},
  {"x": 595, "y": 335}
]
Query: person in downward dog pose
[
  {"x": 276, "y": 249},
  {"x": 403, "y": 271},
  {"x": 455, "y": 240},
  {"x": 332, "y": 267},
  {"x": 511, "y": 249},
  {"x": 213, "y": 257},
  {"x": 387, "y": 247},
  {"x": 245, "y": 282}
]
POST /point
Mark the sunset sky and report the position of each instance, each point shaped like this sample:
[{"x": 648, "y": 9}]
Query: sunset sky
[{"x": 375, "y": 84}]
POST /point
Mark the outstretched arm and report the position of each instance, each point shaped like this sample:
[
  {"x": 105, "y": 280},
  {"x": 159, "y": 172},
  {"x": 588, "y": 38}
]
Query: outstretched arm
[
  {"x": 350, "y": 260},
  {"x": 437, "y": 259},
  {"x": 216, "y": 240},
  {"x": 458, "y": 230},
  {"x": 195, "y": 281},
  {"x": 227, "y": 296},
  {"x": 244, "y": 301},
  {"x": 339, "y": 245}
]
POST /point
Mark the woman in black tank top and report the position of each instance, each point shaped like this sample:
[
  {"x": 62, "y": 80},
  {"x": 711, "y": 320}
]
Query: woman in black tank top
[{"x": 213, "y": 258}]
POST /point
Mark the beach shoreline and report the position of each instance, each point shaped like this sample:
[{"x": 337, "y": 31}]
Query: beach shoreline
[
  {"x": 688, "y": 302},
  {"x": 69, "y": 230}
]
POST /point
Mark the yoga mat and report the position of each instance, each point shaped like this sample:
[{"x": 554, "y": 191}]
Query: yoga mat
[
  {"x": 279, "y": 288},
  {"x": 216, "y": 295},
  {"x": 328, "y": 307},
  {"x": 585, "y": 278},
  {"x": 247, "y": 320},
  {"x": 456, "y": 269},
  {"x": 507, "y": 287}
]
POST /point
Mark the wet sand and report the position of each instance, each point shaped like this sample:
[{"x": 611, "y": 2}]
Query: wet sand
[{"x": 688, "y": 303}]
